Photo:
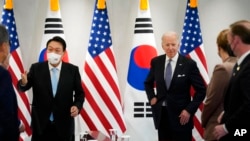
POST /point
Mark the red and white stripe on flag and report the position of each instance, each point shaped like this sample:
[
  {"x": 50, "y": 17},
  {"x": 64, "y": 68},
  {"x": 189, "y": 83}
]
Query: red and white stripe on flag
[
  {"x": 103, "y": 108},
  {"x": 16, "y": 68},
  {"x": 192, "y": 46}
]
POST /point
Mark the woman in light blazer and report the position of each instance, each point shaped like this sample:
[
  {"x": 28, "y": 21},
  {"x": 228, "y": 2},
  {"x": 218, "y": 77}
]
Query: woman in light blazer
[{"x": 218, "y": 85}]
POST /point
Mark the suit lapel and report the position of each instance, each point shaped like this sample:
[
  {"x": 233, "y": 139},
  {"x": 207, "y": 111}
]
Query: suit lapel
[
  {"x": 237, "y": 69},
  {"x": 178, "y": 69},
  {"x": 46, "y": 74},
  {"x": 161, "y": 68},
  {"x": 61, "y": 78}
]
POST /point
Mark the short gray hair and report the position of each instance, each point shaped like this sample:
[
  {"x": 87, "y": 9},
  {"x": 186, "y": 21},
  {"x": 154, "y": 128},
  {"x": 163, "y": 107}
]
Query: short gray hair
[{"x": 4, "y": 35}]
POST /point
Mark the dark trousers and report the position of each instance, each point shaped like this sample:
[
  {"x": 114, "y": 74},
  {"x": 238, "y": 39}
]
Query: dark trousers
[
  {"x": 166, "y": 133},
  {"x": 50, "y": 134},
  {"x": 9, "y": 134}
]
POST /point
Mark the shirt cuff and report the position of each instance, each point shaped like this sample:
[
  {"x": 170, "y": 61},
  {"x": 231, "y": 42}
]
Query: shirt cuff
[
  {"x": 20, "y": 124},
  {"x": 224, "y": 127},
  {"x": 22, "y": 84}
]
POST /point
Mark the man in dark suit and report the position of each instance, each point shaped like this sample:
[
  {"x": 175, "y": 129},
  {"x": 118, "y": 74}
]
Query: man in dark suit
[
  {"x": 54, "y": 107},
  {"x": 10, "y": 125},
  {"x": 235, "y": 124},
  {"x": 172, "y": 106}
]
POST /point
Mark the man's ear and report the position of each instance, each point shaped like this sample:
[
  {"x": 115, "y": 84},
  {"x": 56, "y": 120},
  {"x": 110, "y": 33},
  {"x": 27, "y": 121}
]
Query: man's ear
[
  {"x": 3, "y": 46},
  {"x": 236, "y": 39},
  {"x": 63, "y": 54}
]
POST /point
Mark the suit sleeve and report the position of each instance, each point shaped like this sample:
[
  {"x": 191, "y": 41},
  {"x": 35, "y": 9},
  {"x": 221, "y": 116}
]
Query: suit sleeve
[
  {"x": 79, "y": 93},
  {"x": 149, "y": 82},
  {"x": 199, "y": 88},
  {"x": 217, "y": 86},
  {"x": 29, "y": 84}
]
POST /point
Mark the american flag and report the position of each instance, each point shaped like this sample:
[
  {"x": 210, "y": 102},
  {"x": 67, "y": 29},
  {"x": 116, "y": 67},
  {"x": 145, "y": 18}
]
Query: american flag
[
  {"x": 192, "y": 46},
  {"x": 103, "y": 107},
  {"x": 16, "y": 67}
]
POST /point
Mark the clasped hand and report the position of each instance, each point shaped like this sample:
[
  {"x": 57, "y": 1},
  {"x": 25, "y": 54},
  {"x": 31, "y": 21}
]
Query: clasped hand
[{"x": 74, "y": 111}]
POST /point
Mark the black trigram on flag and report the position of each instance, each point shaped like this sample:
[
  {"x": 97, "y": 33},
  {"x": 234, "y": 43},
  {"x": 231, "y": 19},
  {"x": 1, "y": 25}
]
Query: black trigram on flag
[
  {"x": 53, "y": 26},
  {"x": 142, "y": 109},
  {"x": 143, "y": 25}
]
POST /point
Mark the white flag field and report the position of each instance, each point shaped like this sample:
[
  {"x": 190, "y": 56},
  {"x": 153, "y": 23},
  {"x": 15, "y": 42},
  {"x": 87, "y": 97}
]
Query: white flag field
[
  {"x": 137, "y": 111},
  {"x": 53, "y": 27}
]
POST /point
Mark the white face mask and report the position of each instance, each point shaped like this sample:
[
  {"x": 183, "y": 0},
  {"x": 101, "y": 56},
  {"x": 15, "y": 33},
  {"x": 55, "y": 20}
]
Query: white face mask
[{"x": 53, "y": 58}]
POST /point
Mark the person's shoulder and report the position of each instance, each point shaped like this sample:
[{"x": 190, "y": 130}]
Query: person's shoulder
[
  {"x": 39, "y": 64},
  {"x": 159, "y": 57},
  {"x": 69, "y": 65},
  {"x": 3, "y": 71},
  {"x": 229, "y": 63},
  {"x": 220, "y": 67},
  {"x": 186, "y": 59},
  {"x": 4, "y": 74}
]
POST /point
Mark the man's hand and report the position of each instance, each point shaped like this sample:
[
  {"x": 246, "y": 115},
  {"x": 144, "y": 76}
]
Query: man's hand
[
  {"x": 21, "y": 128},
  {"x": 184, "y": 117},
  {"x": 24, "y": 79},
  {"x": 74, "y": 111},
  {"x": 220, "y": 117},
  {"x": 153, "y": 101},
  {"x": 219, "y": 131}
]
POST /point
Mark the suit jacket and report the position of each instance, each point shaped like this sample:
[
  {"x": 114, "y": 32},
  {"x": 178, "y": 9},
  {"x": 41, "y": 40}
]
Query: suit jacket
[
  {"x": 237, "y": 101},
  {"x": 216, "y": 89},
  {"x": 69, "y": 93},
  {"x": 178, "y": 96},
  {"x": 9, "y": 122}
]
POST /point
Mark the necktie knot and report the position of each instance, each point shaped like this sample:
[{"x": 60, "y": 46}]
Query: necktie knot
[{"x": 54, "y": 70}]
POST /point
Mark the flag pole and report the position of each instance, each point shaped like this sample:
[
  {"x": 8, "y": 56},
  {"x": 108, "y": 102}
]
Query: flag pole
[
  {"x": 144, "y": 4},
  {"x": 54, "y": 5},
  {"x": 193, "y": 3},
  {"x": 101, "y": 4}
]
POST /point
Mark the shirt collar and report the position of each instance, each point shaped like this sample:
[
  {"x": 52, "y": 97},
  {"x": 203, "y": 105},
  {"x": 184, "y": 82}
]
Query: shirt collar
[
  {"x": 174, "y": 58},
  {"x": 58, "y": 67},
  {"x": 243, "y": 57}
]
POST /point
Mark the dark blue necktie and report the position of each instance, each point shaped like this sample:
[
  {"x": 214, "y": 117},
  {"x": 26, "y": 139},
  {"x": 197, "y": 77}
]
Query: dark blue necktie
[{"x": 168, "y": 73}]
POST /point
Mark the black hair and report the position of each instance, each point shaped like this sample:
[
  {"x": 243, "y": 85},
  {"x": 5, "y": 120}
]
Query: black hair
[{"x": 57, "y": 39}]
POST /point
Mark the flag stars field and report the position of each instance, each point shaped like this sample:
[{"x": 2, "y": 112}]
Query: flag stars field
[
  {"x": 192, "y": 45},
  {"x": 100, "y": 79}
]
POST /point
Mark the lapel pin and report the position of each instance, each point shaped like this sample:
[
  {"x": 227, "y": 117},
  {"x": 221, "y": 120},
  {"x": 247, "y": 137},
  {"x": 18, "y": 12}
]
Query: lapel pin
[{"x": 238, "y": 68}]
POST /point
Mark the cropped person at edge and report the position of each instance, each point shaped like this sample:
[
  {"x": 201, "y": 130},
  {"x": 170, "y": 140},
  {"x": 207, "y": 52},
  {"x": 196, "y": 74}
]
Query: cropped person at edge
[{"x": 217, "y": 86}]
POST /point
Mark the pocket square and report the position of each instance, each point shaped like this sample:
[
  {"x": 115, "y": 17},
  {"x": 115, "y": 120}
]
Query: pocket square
[{"x": 181, "y": 75}]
